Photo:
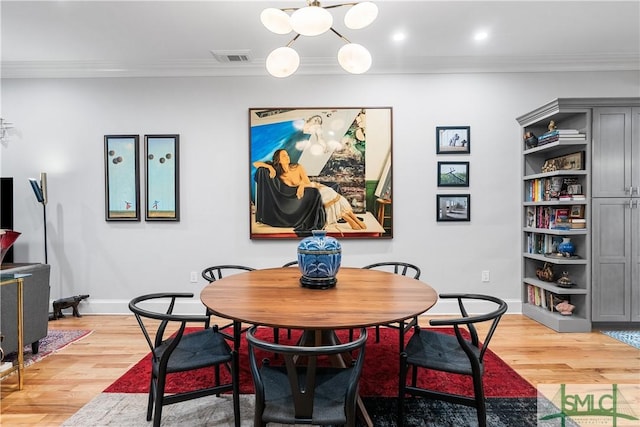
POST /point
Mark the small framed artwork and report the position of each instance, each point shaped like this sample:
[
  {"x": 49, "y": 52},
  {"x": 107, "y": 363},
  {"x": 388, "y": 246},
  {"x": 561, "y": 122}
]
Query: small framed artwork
[
  {"x": 122, "y": 177},
  {"x": 162, "y": 178},
  {"x": 453, "y": 207},
  {"x": 453, "y": 139},
  {"x": 453, "y": 174},
  {"x": 577, "y": 211}
]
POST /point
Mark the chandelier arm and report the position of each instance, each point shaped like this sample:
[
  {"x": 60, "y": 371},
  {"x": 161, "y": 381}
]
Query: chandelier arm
[
  {"x": 340, "y": 35},
  {"x": 293, "y": 40},
  {"x": 340, "y": 5}
]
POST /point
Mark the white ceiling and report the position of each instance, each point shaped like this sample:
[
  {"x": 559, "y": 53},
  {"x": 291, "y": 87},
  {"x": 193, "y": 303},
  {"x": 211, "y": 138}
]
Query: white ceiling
[{"x": 175, "y": 38}]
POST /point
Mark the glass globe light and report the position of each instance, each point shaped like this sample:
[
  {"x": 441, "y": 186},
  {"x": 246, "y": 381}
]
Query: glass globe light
[
  {"x": 361, "y": 15},
  {"x": 311, "y": 20},
  {"x": 282, "y": 62},
  {"x": 354, "y": 58},
  {"x": 276, "y": 20}
]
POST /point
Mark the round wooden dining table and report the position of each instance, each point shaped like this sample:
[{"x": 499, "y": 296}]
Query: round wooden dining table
[{"x": 274, "y": 297}]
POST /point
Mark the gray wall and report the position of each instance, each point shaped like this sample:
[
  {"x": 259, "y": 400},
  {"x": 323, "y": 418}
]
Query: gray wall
[{"x": 59, "y": 129}]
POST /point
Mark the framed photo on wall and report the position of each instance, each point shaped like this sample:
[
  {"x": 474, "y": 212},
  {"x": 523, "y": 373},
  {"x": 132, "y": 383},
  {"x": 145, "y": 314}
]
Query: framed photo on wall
[
  {"x": 122, "y": 177},
  {"x": 162, "y": 177},
  {"x": 453, "y": 207},
  {"x": 453, "y": 139},
  {"x": 320, "y": 168},
  {"x": 453, "y": 174}
]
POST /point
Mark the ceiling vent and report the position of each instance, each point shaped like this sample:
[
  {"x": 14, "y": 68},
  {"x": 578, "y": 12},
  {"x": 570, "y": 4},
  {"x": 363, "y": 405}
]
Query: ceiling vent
[{"x": 233, "y": 56}]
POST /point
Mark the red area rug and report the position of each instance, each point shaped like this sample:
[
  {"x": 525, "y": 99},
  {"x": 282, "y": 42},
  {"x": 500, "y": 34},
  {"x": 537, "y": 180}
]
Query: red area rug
[{"x": 379, "y": 376}]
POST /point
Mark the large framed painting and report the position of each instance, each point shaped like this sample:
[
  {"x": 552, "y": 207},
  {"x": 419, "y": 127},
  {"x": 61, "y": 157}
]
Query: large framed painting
[
  {"x": 162, "y": 177},
  {"x": 321, "y": 169},
  {"x": 122, "y": 177}
]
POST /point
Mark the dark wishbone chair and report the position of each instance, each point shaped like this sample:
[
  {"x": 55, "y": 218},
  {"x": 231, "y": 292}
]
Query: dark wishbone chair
[
  {"x": 180, "y": 352},
  {"x": 405, "y": 269},
  {"x": 459, "y": 353}
]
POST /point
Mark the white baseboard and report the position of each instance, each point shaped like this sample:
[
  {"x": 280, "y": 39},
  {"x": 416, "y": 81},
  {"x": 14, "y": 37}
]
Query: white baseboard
[{"x": 194, "y": 306}]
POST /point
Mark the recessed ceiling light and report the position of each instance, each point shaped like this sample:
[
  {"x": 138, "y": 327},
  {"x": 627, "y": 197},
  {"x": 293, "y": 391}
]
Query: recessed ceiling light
[
  {"x": 399, "y": 36},
  {"x": 480, "y": 35}
]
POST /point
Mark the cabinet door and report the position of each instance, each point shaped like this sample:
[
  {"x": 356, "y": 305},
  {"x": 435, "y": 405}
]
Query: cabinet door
[
  {"x": 612, "y": 155},
  {"x": 634, "y": 235},
  {"x": 635, "y": 150},
  {"x": 611, "y": 268}
]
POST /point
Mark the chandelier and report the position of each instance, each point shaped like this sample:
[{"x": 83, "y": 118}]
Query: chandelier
[{"x": 314, "y": 20}]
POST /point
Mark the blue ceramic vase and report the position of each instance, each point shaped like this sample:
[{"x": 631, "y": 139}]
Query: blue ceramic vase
[
  {"x": 566, "y": 247},
  {"x": 319, "y": 258}
]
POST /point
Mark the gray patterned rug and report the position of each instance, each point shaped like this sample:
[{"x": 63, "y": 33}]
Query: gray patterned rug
[
  {"x": 129, "y": 409},
  {"x": 630, "y": 337}
]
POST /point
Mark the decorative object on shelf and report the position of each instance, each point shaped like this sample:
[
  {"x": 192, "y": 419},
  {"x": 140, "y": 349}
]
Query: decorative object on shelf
[
  {"x": 564, "y": 281},
  {"x": 566, "y": 247},
  {"x": 545, "y": 273},
  {"x": 530, "y": 140},
  {"x": 319, "y": 258},
  {"x": 565, "y": 308},
  {"x": 552, "y": 126},
  {"x": 7, "y": 238},
  {"x": 313, "y": 20},
  {"x": 573, "y": 161}
]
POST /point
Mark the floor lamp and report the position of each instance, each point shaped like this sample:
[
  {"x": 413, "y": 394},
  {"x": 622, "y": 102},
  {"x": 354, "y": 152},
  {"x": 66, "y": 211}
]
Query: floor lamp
[{"x": 40, "y": 190}]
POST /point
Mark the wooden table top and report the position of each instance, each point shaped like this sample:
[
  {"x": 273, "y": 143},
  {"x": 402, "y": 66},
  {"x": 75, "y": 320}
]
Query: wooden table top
[{"x": 362, "y": 297}]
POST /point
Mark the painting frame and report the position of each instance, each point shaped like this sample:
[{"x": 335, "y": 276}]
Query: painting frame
[
  {"x": 462, "y": 212},
  {"x": 348, "y": 149},
  {"x": 162, "y": 177},
  {"x": 122, "y": 177},
  {"x": 456, "y": 176},
  {"x": 453, "y": 139}
]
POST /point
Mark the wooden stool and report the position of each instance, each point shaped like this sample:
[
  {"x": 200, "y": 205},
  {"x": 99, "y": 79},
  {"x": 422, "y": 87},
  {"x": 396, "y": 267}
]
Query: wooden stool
[{"x": 382, "y": 204}]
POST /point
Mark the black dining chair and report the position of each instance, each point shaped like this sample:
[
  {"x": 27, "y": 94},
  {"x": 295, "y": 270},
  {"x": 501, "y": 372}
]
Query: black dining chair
[
  {"x": 289, "y": 392},
  {"x": 288, "y": 264},
  {"x": 215, "y": 272},
  {"x": 179, "y": 352},
  {"x": 404, "y": 269},
  {"x": 459, "y": 353}
]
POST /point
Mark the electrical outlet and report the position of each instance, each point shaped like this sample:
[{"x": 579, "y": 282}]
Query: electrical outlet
[
  {"x": 194, "y": 277},
  {"x": 485, "y": 276}
]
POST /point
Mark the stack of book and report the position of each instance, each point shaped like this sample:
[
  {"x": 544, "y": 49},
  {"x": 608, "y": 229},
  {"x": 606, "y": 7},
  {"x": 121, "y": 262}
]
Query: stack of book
[{"x": 561, "y": 134}]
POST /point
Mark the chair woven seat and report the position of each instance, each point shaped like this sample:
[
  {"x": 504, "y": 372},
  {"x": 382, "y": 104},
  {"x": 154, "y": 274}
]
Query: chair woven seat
[
  {"x": 196, "y": 350},
  {"x": 438, "y": 351}
]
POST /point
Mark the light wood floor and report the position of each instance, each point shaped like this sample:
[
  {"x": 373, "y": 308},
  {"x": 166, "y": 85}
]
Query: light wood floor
[{"x": 58, "y": 386}]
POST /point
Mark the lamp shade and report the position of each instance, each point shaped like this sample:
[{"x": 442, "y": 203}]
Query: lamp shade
[
  {"x": 361, "y": 15},
  {"x": 354, "y": 58},
  {"x": 311, "y": 20},
  {"x": 276, "y": 20},
  {"x": 282, "y": 62}
]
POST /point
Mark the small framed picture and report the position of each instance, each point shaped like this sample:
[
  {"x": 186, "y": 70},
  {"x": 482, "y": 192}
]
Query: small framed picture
[
  {"x": 577, "y": 211},
  {"x": 453, "y": 174},
  {"x": 162, "y": 178},
  {"x": 453, "y": 207},
  {"x": 453, "y": 139},
  {"x": 122, "y": 179}
]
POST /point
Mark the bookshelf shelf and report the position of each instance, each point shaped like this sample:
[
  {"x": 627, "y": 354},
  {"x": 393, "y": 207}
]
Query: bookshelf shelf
[{"x": 552, "y": 192}]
